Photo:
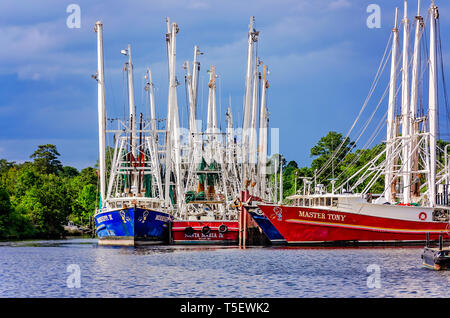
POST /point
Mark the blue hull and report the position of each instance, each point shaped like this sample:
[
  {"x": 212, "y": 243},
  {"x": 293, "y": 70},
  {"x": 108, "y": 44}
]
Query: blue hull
[
  {"x": 267, "y": 227},
  {"x": 132, "y": 226}
]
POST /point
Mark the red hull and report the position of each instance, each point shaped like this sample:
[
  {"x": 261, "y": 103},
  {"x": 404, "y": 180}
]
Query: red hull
[
  {"x": 197, "y": 235},
  {"x": 307, "y": 225}
]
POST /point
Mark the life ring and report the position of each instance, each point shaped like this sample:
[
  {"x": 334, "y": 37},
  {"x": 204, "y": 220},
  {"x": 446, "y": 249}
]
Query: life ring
[
  {"x": 206, "y": 230},
  {"x": 223, "y": 229},
  {"x": 237, "y": 203},
  {"x": 422, "y": 216},
  {"x": 259, "y": 212},
  {"x": 188, "y": 231}
]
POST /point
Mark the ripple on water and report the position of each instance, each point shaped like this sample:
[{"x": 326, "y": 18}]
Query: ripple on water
[{"x": 39, "y": 269}]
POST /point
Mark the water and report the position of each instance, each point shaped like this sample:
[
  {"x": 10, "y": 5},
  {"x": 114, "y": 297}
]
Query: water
[{"x": 40, "y": 269}]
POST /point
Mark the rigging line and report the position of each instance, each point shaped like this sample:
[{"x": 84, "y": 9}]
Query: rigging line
[
  {"x": 442, "y": 72},
  {"x": 380, "y": 70},
  {"x": 374, "y": 84},
  {"x": 373, "y": 113},
  {"x": 372, "y": 138},
  {"x": 366, "y": 145},
  {"x": 368, "y": 142}
]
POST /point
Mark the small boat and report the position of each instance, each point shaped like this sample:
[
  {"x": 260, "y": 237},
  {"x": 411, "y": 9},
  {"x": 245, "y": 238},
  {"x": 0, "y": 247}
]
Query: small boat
[{"x": 436, "y": 258}]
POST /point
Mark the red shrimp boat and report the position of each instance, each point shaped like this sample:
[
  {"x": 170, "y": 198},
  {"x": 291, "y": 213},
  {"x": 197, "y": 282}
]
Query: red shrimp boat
[
  {"x": 350, "y": 218},
  {"x": 415, "y": 199},
  {"x": 205, "y": 232}
]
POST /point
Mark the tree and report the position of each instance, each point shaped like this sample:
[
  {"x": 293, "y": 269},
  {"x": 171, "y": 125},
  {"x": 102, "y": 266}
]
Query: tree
[
  {"x": 5, "y": 209},
  {"x": 47, "y": 205},
  {"x": 69, "y": 172},
  {"x": 46, "y": 159},
  {"x": 325, "y": 149}
]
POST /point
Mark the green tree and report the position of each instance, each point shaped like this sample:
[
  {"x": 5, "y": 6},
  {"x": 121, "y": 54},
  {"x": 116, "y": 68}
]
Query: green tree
[
  {"x": 327, "y": 156},
  {"x": 5, "y": 210},
  {"x": 68, "y": 172},
  {"x": 46, "y": 159},
  {"x": 47, "y": 205}
]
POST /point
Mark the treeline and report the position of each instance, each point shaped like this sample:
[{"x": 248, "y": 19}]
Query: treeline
[{"x": 39, "y": 197}]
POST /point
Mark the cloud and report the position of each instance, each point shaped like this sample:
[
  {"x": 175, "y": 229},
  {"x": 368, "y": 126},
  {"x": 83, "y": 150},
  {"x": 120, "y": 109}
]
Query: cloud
[{"x": 339, "y": 4}]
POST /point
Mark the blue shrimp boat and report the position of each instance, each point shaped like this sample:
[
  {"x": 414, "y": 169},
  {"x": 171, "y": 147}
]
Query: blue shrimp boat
[
  {"x": 132, "y": 226},
  {"x": 266, "y": 226},
  {"x": 132, "y": 209}
]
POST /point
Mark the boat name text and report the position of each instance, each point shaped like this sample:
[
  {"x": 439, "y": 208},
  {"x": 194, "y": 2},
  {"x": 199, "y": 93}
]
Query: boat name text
[
  {"x": 321, "y": 215},
  {"x": 104, "y": 218}
]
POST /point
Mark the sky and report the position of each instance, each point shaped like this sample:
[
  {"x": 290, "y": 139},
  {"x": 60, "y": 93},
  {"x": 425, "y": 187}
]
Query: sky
[{"x": 321, "y": 54}]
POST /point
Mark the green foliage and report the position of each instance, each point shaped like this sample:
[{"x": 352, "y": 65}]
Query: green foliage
[
  {"x": 46, "y": 159},
  {"x": 346, "y": 163},
  {"x": 37, "y": 198},
  {"x": 68, "y": 172},
  {"x": 324, "y": 150}
]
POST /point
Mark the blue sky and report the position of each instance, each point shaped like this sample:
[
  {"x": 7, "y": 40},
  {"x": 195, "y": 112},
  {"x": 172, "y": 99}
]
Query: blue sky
[{"x": 321, "y": 54}]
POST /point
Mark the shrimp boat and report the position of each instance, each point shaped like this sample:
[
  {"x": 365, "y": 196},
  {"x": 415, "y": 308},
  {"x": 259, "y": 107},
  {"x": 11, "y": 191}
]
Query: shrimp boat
[
  {"x": 211, "y": 167},
  {"x": 131, "y": 210},
  {"x": 415, "y": 197},
  {"x": 204, "y": 182}
]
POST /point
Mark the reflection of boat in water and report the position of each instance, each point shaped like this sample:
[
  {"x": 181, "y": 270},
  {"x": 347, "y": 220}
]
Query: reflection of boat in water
[
  {"x": 131, "y": 209},
  {"x": 436, "y": 258},
  {"x": 415, "y": 196}
]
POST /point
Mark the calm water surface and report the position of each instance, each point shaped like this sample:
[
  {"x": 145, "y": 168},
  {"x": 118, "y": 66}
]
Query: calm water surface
[{"x": 39, "y": 269}]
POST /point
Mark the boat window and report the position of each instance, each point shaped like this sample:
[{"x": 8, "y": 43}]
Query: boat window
[
  {"x": 328, "y": 202},
  {"x": 334, "y": 202},
  {"x": 300, "y": 202},
  {"x": 322, "y": 201},
  {"x": 306, "y": 202}
]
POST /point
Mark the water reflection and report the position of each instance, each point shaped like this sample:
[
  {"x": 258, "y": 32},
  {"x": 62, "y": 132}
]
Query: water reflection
[{"x": 39, "y": 269}]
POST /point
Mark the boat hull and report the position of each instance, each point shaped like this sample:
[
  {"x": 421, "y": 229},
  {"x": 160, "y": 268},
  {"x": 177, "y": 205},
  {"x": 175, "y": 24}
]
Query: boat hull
[
  {"x": 436, "y": 259},
  {"x": 299, "y": 225},
  {"x": 266, "y": 226},
  {"x": 132, "y": 226},
  {"x": 196, "y": 232}
]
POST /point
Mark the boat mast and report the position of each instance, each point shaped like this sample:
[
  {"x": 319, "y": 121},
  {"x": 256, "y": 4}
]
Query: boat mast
[
  {"x": 132, "y": 113},
  {"x": 414, "y": 129},
  {"x": 406, "y": 170},
  {"x": 101, "y": 109},
  {"x": 230, "y": 141},
  {"x": 262, "y": 149},
  {"x": 252, "y": 38},
  {"x": 172, "y": 126},
  {"x": 253, "y": 122},
  {"x": 432, "y": 103},
  {"x": 152, "y": 100},
  {"x": 391, "y": 130},
  {"x": 281, "y": 181},
  {"x": 211, "y": 124},
  {"x": 195, "y": 71}
]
